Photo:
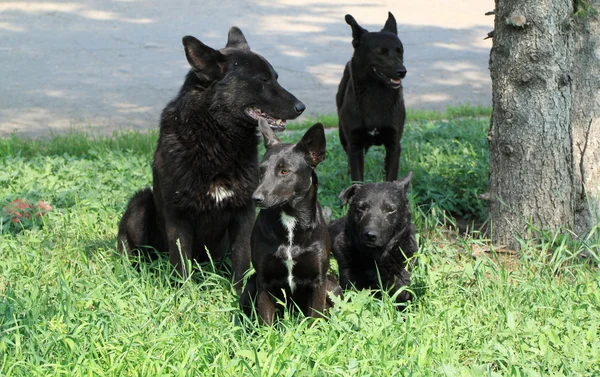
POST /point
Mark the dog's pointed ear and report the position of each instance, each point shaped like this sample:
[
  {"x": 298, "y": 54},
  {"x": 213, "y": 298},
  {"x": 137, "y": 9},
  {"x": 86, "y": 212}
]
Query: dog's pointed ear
[
  {"x": 357, "y": 30},
  {"x": 390, "y": 24},
  {"x": 236, "y": 39},
  {"x": 405, "y": 181},
  {"x": 346, "y": 195},
  {"x": 313, "y": 145},
  {"x": 269, "y": 137},
  {"x": 207, "y": 63}
]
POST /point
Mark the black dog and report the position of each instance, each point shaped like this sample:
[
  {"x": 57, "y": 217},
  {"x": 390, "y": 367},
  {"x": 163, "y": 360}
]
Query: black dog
[
  {"x": 375, "y": 237},
  {"x": 206, "y": 161},
  {"x": 290, "y": 242},
  {"x": 369, "y": 100}
]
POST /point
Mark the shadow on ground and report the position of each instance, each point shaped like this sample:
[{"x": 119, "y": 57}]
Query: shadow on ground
[{"x": 114, "y": 65}]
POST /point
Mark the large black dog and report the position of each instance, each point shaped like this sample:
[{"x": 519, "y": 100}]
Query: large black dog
[
  {"x": 376, "y": 237},
  {"x": 369, "y": 100},
  {"x": 206, "y": 161},
  {"x": 290, "y": 242}
]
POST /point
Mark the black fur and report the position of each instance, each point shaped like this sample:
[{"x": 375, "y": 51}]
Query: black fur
[
  {"x": 206, "y": 161},
  {"x": 369, "y": 100},
  {"x": 375, "y": 236},
  {"x": 288, "y": 190}
]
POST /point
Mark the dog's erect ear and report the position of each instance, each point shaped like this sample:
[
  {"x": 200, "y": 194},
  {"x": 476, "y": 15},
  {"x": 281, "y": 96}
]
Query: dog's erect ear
[
  {"x": 405, "y": 181},
  {"x": 390, "y": 24},
  {"x": 269, "y": 136},
  {"x": 206, "y": 62},
  {"x": 313, "y": 145},
  {"x": 347, "y": 194},
  {"x": 357, "y": 30},
  {"x": 236, "y": 39}
]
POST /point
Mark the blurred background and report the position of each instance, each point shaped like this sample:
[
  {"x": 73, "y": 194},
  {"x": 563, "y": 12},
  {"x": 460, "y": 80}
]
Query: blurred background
[{"x": 111, "y": 65}]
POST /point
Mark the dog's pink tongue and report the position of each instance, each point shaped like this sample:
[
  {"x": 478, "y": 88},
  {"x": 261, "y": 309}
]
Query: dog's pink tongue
[{"x": 395, "y": 82}]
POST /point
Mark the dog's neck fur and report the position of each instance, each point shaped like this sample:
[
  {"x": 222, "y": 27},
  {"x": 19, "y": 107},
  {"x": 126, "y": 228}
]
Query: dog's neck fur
[{"x": 304, "y": 208}]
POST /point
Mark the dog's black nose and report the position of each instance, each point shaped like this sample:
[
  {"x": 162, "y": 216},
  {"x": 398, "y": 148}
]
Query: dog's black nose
[
  {"x": 371, "y": 235},
  {"x": 402, "y": 72},
  {"x": 299, "y": 107},
  {"x": 258, "y": 198}
]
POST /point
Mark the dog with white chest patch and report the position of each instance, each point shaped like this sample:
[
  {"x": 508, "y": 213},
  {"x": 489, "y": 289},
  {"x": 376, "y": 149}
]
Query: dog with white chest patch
[
  {"x": 205, "y": 167},
  {"x": 290, "y": 243},
  {"x": 370, "y": 101}
]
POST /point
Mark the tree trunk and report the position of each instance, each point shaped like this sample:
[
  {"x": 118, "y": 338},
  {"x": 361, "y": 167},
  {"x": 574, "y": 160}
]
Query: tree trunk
[
  {"x": 586, "y": 121},
  {"x": 531, "y": 139}
]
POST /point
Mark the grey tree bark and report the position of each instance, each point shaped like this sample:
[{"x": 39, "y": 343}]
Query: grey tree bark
[
  {"x": 540, "y": 65},
  {"x": 586, "y": 121}
]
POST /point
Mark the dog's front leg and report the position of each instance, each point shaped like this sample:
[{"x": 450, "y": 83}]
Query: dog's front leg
[
  {"x": 240, "y": 231},
  {"x": 248, "y": 297},
  {"x": 180, "y": 236},
  {"x": 318, "y": 300},
  {"x": 265, "y": 307},
  {"x": 402, "y": 281},
  {"x": 345, "y": 274},
  {"x": 392, "y": 160},
  {"x": 356, "y": 161}
]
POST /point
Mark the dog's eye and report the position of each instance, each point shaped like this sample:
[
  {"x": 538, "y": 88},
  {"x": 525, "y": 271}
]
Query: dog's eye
[
  {"x": 284, "y": 172},
  {"x": 383, "y": 51},
  {"x": 264, "y": 79},
  {"x": 361, "y": 208},
  {"x": 390, "y": 210}
]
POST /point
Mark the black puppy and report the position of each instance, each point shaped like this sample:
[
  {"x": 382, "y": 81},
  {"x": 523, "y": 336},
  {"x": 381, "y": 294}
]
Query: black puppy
[
  {"x": 290, "y": 243},
  {"x": 206, "y": 161},
  {"x": 375, "y": 237},
  {"x": 369, "y": 100}
]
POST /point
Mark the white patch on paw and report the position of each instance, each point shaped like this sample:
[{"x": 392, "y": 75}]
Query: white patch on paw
[{"x": 219, "y": 193}]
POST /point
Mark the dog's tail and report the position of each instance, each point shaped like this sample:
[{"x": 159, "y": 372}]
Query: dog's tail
[{"x": 138, "y": 229}]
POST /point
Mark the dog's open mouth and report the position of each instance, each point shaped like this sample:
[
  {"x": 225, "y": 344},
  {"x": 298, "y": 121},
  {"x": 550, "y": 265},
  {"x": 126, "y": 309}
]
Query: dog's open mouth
[
  {"x": 394, "y": 83},
  {"x": 274, "y": 123}
]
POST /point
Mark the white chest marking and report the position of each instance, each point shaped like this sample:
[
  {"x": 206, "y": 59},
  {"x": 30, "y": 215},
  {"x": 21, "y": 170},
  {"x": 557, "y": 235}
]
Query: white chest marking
[
  {"x": 219, "y": 193},
  {"x": 374, "y": 132},
  {"x": 289, "y": 223}
]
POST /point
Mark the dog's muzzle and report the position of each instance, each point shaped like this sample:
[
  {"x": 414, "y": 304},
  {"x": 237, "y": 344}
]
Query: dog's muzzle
[{"x": 275, "y": 123}]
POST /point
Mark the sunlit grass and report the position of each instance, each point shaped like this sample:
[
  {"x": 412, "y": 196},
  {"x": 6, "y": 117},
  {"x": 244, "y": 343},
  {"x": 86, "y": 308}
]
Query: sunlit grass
[{"x": 71, "y": 305}]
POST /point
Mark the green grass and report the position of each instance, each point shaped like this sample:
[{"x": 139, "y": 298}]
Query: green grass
[
  {"x": 70, "y": 305},
  {"x": 412, "y": 115}
]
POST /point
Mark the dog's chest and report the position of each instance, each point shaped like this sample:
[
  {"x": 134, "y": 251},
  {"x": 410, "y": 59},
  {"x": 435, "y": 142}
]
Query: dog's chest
[
  {"x": 374, "y": 135},
  {"x": 220, "y": 193},
  {"x": 374, "y": 132},
  {"x": 199, "y": 179},
  {"x": 294, "y": 260},
  {"x": 286, "y": 251}
]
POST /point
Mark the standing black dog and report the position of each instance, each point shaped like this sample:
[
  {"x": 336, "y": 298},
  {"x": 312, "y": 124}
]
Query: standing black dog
[
  {"x": 376, "y": 237},
  {"x": 206, "y": 161},
  {"x": 290, "y": 242},
  {"x": 369, "y": 100}
]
